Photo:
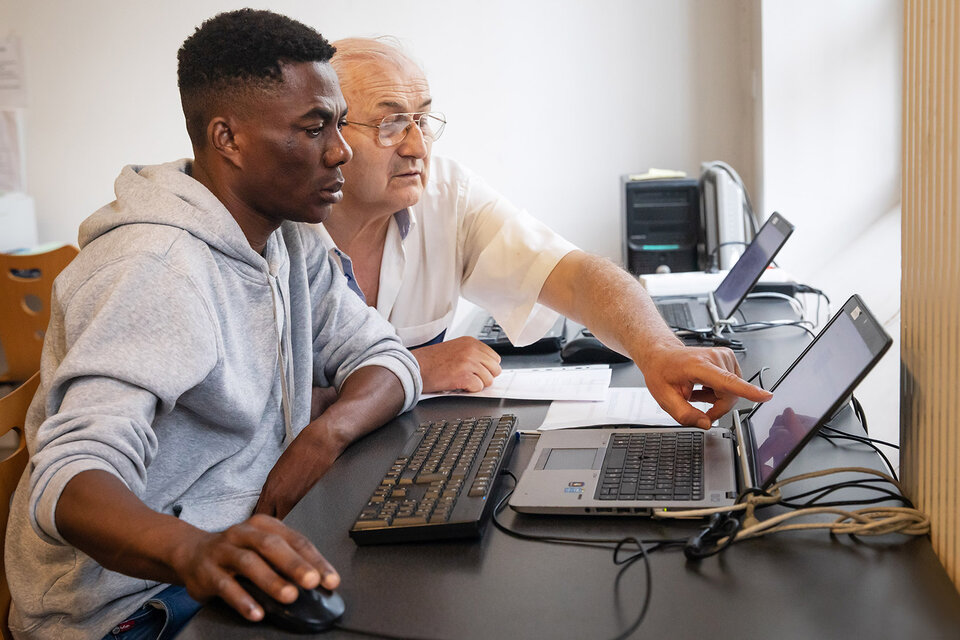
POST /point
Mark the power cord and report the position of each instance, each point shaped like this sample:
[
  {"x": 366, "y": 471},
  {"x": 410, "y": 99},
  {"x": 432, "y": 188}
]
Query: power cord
[{"x": 868, "y": 521}]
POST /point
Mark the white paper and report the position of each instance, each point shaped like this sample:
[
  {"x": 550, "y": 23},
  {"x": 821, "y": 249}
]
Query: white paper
[
  {"x": 11, "y": 152},
  {"x": 587, "y": 383},
  {"x": 13, "y": 91},
  {"x": 623, "y": 405}
]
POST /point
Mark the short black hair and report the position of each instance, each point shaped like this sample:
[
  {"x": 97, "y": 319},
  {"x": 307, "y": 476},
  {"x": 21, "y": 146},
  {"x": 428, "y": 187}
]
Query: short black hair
[{"x": 236, "y": 51}]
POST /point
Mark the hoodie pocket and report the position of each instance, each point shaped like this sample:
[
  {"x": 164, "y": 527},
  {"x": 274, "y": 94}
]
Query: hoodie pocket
[{"x": 217, "y": 513}]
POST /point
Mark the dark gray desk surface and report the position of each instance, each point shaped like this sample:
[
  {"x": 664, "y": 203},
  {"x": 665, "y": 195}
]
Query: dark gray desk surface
[{"x": 792, "y": 585}]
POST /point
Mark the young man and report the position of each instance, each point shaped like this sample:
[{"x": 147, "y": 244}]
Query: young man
[
  {"x": 175, "y": 396},
  {"x": 413, "y": 233}
]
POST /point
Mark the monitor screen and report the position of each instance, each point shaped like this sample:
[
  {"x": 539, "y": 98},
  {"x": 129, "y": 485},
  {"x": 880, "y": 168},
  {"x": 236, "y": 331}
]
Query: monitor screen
[
  {"x": 748, "y": 269},
  {"x": 813, "y": 387}
]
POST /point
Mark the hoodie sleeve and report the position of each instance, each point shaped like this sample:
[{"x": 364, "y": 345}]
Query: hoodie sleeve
[
  {"x": 137, "y": 335},
  {"x": 348, "y": 334}
]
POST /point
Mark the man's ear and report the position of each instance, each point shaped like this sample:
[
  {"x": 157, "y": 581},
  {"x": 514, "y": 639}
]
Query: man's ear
[{"x": 222, "y": 137}]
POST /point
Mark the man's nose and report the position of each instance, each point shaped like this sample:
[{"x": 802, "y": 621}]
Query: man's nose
[
  {"x": 338, "y": 153},
  {"x": 414, "y": 144}
]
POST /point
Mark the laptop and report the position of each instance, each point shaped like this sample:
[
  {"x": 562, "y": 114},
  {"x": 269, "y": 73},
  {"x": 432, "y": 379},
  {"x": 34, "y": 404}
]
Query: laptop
[
  {"x": 720, "y": 305},
  {"x": 612, "y": 471}
]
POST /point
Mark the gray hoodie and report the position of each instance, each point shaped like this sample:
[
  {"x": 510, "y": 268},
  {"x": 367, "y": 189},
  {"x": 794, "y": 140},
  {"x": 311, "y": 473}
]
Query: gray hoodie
[{"x": 160, "y": 366}]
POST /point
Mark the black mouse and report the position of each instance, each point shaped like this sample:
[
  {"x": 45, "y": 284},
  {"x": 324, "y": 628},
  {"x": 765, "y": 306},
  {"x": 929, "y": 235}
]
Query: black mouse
[
  {"x": 587, "y": 349},
  {"x": 314, "y": 609}
]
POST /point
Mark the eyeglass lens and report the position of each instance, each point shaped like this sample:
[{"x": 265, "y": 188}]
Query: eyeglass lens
[{"x": 393, "y": 128}]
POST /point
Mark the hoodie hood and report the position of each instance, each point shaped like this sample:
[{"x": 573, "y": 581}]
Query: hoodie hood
[{"x": 167, "y": 194}]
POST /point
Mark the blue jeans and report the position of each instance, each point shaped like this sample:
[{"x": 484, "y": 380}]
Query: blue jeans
[{"x": 160, "y": 618}]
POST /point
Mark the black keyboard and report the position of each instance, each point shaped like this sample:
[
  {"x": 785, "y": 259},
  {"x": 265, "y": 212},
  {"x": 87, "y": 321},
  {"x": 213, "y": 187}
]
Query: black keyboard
[
  {"x": 653, "y": 466},
  {"x": 491, "y": 334},
  {"x": 676, "y": 314},
  {"x": 440, "y": 484}
]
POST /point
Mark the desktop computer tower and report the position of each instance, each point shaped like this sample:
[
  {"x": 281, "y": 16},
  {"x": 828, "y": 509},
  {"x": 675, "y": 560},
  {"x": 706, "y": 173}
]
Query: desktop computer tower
[{"x": 661, "y": 222}]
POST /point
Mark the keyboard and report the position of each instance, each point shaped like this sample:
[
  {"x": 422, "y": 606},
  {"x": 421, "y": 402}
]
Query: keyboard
[
  {"x": 652, "y": 466},
  {"x": 440, "y": 484},
  {"x": 491, "y": 334},
  {"x": 676, "y": 314}
]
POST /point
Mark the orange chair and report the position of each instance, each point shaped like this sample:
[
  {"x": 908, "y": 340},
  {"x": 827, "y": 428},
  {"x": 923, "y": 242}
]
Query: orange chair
[
  {"x": 13, "y": 413},
  {"x": 26, "y": 282}
]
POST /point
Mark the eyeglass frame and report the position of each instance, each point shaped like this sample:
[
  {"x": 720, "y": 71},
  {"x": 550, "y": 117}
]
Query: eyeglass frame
[{"x": 413, "y": 120}]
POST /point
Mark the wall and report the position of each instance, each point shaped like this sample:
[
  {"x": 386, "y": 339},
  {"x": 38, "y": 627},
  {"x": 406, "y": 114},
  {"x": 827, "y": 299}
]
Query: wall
[
  {"x": 550, "y": 100},
  {"x": 830, "y": 160}
]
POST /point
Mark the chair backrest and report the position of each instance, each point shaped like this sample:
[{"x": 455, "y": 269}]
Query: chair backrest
[
  {"x": 13, "y": 413},
  {"x": 26, "y": 282}
]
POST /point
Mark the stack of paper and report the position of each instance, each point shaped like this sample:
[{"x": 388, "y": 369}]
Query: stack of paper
[
  {"x": 623, "y": 405},
  {"x": 587, "y": 383}
]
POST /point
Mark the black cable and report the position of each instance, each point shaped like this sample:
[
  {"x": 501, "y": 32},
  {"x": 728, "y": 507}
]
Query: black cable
[
  {"x": 760, "y": 326},
  {"x": 867, "y": 441},
  {"x": 821, "y": 492},
  {"x": 759, "y": 374},
  {"x": 376, "y": 634},
  {"x": 603, "y": 543},
  {"x": 861, "y": 415}
]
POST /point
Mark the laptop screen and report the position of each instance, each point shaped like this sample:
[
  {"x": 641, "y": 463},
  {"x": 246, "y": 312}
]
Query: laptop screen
[
  {"x": 748, "y": 269},
  {"x": 814, "y": 387}
]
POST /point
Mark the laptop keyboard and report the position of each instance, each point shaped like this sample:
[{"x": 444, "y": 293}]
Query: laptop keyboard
[
  {"x": 653, "y": 466},
  {"x": 676, "y": 314},
  {"x": 440, "y": 484}
]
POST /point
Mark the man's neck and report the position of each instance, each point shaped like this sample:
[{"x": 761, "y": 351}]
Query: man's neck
[
  {"x": 255, "y": 227},
  {"x": 357, "y": 233}
]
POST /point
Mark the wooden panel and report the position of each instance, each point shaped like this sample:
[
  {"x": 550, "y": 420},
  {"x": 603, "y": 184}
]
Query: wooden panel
[{"x": 930, "y": 286}]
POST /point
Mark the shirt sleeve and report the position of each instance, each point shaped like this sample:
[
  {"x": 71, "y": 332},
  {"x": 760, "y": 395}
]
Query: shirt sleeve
[
  {"x": 507, "y": 256},
  {"x": 136, "y": 335}
]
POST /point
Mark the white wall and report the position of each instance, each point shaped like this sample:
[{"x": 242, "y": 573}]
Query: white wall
[
  {"x": 550, "y": 100},
  {"x": 831, "y": 151}
]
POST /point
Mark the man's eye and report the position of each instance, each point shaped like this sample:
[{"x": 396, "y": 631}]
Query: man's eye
[
  {"x": 315, "y": 132},
  {"x": 342, "y": 124}
]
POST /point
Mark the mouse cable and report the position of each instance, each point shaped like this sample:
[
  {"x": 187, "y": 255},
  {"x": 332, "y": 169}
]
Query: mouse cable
[
  {"x": 708, "y": 338},
  {"x": 377, "y": 634}
]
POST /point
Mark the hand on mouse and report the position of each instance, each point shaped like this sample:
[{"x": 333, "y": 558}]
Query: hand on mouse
[
  {"x": 672, "y": 370},
  {"x": 462, "y": 363},
  {"x": 273, "y": 556}
]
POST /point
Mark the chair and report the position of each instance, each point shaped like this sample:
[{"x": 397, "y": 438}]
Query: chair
[
  {"x": 13, "y": 413},
  {"x": 26, "y": 282}
]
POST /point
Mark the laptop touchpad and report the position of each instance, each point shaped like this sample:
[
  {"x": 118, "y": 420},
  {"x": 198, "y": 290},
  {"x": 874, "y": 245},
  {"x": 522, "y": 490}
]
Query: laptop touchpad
[{"x": 559, "y": 459}]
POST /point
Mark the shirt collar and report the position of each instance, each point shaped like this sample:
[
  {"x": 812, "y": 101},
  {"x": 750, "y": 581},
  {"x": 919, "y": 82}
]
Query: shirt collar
[{"x": 405, "y": 221}]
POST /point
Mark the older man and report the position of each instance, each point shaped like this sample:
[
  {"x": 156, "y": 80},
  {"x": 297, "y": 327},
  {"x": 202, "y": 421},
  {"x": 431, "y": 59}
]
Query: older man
[
  {"x": 175, "y": 395},
  {"x": 413, "y": 233}
]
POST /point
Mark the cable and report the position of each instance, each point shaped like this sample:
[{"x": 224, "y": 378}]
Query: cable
[
  {"x": 603, "y": 543},
  {"x": 796, "y": 304},
  {"x": 760, "y": 326},
  {"x": 759, "y": 374},
  {"x": 868, "y": 521}
]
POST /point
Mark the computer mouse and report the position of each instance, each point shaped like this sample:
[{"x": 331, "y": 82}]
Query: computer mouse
[
  {"x": 314, "y": 609},
  {"x": 587, "y": 349}
]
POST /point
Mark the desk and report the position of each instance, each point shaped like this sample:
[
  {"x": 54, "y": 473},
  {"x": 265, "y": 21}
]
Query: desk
[{"x": 792, "y": 585}]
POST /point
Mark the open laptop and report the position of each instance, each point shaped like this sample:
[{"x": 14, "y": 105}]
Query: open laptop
[
  {"x": 635, "y": 470},
  {"x": 720, "y": 305}
]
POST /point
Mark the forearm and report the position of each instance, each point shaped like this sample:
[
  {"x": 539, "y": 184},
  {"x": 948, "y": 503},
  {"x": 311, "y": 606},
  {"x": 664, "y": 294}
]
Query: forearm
[
  {"x": 610, "y": 302},
  {"x": 100, "y": 516},
  {"x": 370, "y": 397}
]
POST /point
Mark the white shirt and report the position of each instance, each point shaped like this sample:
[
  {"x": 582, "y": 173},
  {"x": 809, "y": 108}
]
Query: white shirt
[{"x": 462, "y": 238}]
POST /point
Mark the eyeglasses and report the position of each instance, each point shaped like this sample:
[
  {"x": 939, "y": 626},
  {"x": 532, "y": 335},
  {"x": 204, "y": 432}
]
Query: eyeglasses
[{"x": 394, "y": 127}]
